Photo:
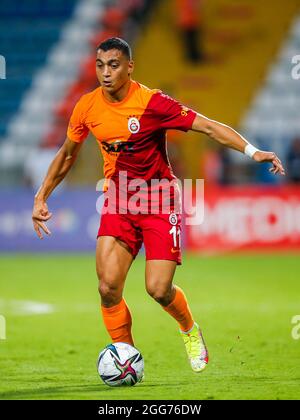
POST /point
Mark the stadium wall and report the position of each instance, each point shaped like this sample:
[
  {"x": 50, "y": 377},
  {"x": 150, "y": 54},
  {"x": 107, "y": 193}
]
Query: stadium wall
[
  {"x": 248, "y": 218},
  {"x": 235, "y": 218}
]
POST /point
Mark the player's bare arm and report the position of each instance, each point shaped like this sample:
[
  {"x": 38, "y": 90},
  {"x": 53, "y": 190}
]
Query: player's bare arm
[
  {"x": 57, "y": 171},
  {"x": 230, "y": 138}
]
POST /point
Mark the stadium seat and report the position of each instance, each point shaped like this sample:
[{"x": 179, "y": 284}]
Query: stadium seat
[
  {"x": 36, "y": 27},
  {"x": 274, "y": 115}
]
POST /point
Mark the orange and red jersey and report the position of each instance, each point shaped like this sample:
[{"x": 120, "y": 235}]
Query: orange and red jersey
[{"x": 131, "y": 133}]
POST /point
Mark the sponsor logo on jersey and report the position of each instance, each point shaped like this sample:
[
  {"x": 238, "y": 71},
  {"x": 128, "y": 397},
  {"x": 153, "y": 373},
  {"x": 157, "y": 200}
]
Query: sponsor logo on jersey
[
  {"x": 93, "y": 125},
  {"x": 118, "y": 146},
  {"x": 133, "y": 125},
  {"x": 173, "y": 219}
]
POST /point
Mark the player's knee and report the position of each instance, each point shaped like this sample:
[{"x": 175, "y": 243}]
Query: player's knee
[
  {"x": 160, "y": 294},
  {"x": 109, "y": 294}
]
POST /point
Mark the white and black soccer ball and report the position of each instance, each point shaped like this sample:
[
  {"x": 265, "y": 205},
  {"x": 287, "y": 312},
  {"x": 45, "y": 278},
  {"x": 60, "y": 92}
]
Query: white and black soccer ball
[{"x": 120, "y": 364}]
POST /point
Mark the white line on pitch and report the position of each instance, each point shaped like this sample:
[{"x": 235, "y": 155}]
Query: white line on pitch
[{"x": 25, "y": 307}]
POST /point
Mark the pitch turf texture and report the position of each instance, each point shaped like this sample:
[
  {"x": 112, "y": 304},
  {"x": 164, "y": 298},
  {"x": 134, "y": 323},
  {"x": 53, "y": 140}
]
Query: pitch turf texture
[{"x": 245, "y": 305}]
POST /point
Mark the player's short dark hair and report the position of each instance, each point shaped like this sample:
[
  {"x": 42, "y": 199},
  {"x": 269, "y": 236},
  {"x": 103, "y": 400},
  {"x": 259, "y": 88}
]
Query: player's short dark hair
[{"x": 118, "y": 44}]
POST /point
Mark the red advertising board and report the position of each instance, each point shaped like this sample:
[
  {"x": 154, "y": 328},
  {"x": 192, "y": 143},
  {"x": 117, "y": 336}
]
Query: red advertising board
[{"x": 247, "y": 217}]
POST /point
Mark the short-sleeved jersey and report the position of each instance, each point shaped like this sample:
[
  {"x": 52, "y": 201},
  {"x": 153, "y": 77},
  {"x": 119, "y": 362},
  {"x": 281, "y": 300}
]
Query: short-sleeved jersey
[{"x": 131, "y": 133}]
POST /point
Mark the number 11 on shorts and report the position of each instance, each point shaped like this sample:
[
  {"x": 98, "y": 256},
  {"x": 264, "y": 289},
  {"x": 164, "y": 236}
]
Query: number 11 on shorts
[{"x": 175, "y": 231}]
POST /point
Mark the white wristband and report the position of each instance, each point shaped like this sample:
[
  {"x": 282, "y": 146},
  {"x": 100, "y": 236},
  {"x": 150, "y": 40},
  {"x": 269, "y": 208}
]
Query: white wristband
[{"x": 250, "y": 150}]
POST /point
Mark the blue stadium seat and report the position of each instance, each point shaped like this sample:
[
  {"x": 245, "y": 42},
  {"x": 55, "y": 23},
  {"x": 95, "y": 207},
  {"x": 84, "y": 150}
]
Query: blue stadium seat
[
  {"x": 28, "y": 30},
  {"x": 36, "y": 8}
]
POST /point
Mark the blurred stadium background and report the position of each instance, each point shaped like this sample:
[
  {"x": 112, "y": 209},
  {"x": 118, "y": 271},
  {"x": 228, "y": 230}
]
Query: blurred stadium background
[
  {"x": 238, "y": 71},
  {"x": 230, "y": 60}
]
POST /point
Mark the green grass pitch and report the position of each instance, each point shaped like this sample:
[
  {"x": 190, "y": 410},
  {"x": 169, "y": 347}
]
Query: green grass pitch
[{"x": 244, "y": 304}]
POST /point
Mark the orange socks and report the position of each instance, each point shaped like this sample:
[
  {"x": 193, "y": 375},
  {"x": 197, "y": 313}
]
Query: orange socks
[
  {"x": 179, "y": 309},
  {"x": 117, "y": 320}
]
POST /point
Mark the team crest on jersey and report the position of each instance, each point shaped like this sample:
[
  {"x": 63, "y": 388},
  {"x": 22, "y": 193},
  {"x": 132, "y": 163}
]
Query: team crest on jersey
[
  {"x": 184, "y": 111},
  {"x": 173, "y": 219},
  {"x": 133, "y": 125}
]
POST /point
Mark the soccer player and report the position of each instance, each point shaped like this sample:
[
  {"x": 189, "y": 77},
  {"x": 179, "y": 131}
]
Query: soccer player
[{"x": 129, "y": 122}]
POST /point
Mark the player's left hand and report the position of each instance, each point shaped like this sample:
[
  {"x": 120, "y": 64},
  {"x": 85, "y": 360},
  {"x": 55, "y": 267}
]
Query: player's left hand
[{"x": 261, "y": 156}]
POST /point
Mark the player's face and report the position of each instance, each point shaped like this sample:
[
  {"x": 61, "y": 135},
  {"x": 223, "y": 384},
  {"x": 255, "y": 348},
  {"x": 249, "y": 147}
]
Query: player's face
[{"x": 113, "y": 69}]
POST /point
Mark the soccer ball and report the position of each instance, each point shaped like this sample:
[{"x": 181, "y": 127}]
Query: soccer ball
[{"x": 120, "y": 364}]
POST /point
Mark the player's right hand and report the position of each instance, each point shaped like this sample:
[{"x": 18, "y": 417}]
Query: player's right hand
[
  {"x": 261, "y": 156},
  {"x": 40, "y": 214}
]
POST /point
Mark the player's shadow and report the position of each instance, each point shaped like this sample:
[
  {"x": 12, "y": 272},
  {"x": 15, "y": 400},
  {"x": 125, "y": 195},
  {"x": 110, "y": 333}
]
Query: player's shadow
[
  {"x": 63, "y": 392},
  {"x": 50, "y": 392}
]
